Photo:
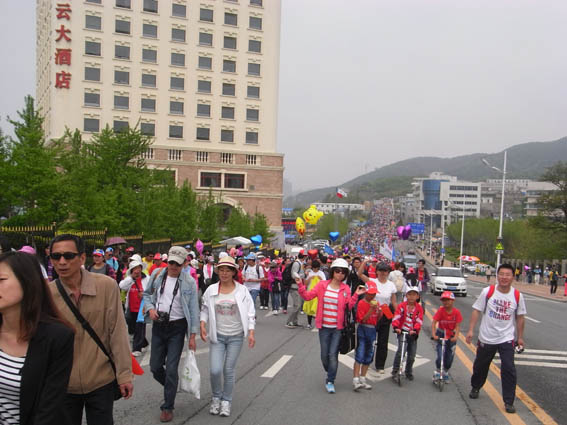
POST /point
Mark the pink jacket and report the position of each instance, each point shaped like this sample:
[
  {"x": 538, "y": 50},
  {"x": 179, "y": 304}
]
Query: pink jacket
[
  {"x": 273, "y": 275},
  {"x": 319, "y": 292}
]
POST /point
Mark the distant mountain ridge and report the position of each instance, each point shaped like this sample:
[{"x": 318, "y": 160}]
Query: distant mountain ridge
[{"x": 526, "y": 160}]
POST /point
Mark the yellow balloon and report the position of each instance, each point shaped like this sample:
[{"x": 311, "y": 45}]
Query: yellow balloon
[
  {"x": 276, "y": 251},
  {"x": 300, "y": 226}
]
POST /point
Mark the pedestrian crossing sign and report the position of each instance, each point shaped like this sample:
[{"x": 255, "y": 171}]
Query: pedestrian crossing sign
[{"x": 499, "y": 247}]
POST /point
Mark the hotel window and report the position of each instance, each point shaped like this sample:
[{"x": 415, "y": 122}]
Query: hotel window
[
  {"x": 121, "y": 52},
  {"x": 206, "y": 15},
  {"x": 210, "y": 180},
  {"x": 250, "y": 159},
  {"x": 229, "y": 42},
  {"x": 255, "y": 46},
  {"x": 176, "y": 107},
  {"x": 205, "y": 39},
  {"x": 254, "y": 69},
  {"x": 227, "y": 136},
  {"x": 151, "y": 6},
  {"x": 122, "y": 27},
  {"x": 92, "y": 48},
  {"x": 179, "y": 10},
  {"x": 94, "y": 1},
  {"x": 252, "y": 114},
  {"x": 255, "y": 23},
  {"x": 177, "y": 34},
  {"x": 119, "y": 126},
  {"x": 92, "y": 74},
  {"x": 148, "y": 129},
  {"x": 226, "y": 158},
  {"x": 202, "y": 156},
  {"x": 177, "y": 83},
  {"x": 91, "y": 125},
  {"x": 125, "y": 4},
  {"x": 121, "y": 77},
  {"x": 230, "y": 19},
  {"x": 227, "y": 112},
  {"x": 253, "y": 92},
  {"x": 149, "y": 30},
  {"x": 203, "y": 133},
  {"x": 174, "y": 154},
  {"x": 256, "y": 2},
  {"x": 175, "y": 131},
  {"x": 92, "y": 99},
  {"x": 148, "y": 80},
  {"x": 148, "y": 105},
  {"x": 228, "y": 89},
  {"x": 252, "y": 137},
  {"x": 203, "y": 110},
  {"x": 121, "y": 102},
  {"x": 205, "y": 63},
  {"x": 203, "y": 86},
  {"x": 178, "y": 59},
  {"x": 93, "y": 22},
  {"x": 234, "y": 181},
  {"x": 149, "y": 55},
  {"x": 228, "y": 65}
]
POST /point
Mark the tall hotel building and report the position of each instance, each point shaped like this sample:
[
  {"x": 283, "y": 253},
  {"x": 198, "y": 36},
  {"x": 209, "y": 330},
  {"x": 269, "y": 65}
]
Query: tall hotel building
[{"x": 200, "y": 76}]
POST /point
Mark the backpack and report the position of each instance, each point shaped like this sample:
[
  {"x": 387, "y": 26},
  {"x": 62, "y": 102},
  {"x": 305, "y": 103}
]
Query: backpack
[
  {"x": 490, "y": 293},
  {"x": 257, "y": 270},
  {"x": 287, "y": 280}
]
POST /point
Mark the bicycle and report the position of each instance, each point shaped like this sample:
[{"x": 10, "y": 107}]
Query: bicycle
[
  {"x": 404, "y": 342},
  {"x": 440, "y": 381}
]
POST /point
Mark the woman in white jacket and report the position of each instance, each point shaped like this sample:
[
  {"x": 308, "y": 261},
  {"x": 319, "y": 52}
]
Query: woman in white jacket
[
  {"x": 229, "y": 310},
  {"x": 135, "y": 283}
]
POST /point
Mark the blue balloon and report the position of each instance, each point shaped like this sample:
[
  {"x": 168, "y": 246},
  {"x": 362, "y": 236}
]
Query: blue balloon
[
  {"x": 334, "y": 236},
  {"x": 256, "y": 240}
]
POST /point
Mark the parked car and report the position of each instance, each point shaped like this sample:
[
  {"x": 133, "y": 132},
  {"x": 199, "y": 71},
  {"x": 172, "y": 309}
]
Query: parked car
[{"x": 449, "y": 279}]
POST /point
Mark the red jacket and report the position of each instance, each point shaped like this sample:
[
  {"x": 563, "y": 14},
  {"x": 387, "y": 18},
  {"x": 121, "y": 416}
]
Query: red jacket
[
  {"x": 345, "y": 301},
  {"x": 401, "y": 313}
]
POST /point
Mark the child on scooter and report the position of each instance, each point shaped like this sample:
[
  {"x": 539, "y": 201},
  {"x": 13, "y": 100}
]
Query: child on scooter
[{"x": 446, "y": 324}]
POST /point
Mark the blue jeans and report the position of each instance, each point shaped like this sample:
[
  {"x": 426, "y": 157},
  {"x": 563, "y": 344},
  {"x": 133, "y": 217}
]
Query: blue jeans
[
  {"x": 329, "y": 338},
  {"x": 365, "y": 344},
  {"x": 167, "y": 346},
  {"x": 275, "y": 300},
  {"x": 411, "y": 348},
  {"x": 254, "y": 294},
  {"x": 283, "y": 297},
  {"x": 449, "y": 352},
  {"x": 223, "y": 356}
]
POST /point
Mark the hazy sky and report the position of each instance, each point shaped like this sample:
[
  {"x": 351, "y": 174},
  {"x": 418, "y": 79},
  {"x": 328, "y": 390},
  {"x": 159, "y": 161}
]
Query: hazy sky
[{"x": 364, "y": 83}]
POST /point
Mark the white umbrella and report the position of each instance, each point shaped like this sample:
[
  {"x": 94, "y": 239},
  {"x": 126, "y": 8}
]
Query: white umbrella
[{"x": 238, "y": 240}]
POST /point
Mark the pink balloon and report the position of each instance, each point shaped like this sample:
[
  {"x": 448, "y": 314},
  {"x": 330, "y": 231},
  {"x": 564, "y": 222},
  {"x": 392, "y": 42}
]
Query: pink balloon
[
  {"x": 400, "y": 231},
  {"x": 232, "y": 252},
  {"x": 199, "y": 246}
]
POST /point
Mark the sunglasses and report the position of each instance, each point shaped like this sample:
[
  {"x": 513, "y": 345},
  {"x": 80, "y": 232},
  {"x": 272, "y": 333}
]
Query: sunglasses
[
  {"x": 174, "y": 263},
  {"x": 343, "y": 271},
  {"x": 66, "y": 255}
]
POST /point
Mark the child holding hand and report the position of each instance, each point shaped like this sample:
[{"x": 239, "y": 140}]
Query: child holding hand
[{"x": 446, "y": 324}]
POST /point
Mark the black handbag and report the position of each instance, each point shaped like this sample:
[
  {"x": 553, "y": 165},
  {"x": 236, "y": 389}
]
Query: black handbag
[
  {"x": 348, "y": 334},
  {"x": 87, "y": 327}
]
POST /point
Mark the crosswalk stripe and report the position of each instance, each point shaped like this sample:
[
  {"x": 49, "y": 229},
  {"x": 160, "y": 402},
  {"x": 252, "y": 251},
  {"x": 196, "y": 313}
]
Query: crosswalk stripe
[
  {"x": 519, "y": 357},
  {"x": 533, "y": 350},
  {"x": 540, "y": 364},
  {"x": 276, "y": 367}
]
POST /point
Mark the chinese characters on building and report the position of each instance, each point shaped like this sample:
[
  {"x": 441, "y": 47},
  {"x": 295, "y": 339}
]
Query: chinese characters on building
[{"x": 62, "y": 53}]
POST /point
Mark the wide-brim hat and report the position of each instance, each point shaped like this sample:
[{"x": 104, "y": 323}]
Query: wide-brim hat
[
  {"x": 133, "y": 265},
  {"x": 227, "y": 261}
]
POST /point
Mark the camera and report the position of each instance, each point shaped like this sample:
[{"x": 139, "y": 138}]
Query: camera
[{"x": 163, "y": 317}]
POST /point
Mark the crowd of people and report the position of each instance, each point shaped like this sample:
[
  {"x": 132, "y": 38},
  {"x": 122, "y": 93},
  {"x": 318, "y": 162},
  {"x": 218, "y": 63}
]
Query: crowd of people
[{"x": 49, "y": 306}]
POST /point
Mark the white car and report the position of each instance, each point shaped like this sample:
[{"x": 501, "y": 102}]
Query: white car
[{"x": 449, "y": 279}]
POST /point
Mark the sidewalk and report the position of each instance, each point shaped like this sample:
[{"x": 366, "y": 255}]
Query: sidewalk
[{"x": 525, "y": 288}]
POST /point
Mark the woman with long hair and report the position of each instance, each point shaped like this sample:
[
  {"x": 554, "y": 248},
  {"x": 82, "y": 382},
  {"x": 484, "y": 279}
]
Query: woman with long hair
[{"x": 36, "y": 345}]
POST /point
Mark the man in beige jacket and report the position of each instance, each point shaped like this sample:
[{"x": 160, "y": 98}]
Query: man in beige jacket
[{"x": 97, "y": 297}]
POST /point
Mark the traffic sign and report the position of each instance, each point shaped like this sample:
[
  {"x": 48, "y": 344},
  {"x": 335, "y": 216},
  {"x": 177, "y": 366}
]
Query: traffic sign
[
  {"x": 417, "y": 228},
  {"x": 442, "y": 250},
  {"x": 499, "y": 247},
  {"x": 499, "y": 251}
]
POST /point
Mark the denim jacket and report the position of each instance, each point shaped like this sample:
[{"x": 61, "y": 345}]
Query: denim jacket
[{"x": 189, "y": 298}]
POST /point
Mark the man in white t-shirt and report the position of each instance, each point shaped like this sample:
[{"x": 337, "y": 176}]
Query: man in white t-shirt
[
  {"x": 504, "y": 310},
  {"x": 252, "y": 275}
]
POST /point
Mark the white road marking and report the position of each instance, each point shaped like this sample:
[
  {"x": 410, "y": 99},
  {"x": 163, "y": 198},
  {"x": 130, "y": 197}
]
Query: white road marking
[
  {"x": 146, "y": 358},
  {"x": 531, "y": 319},
  {"x": 277, "y": 366},
  {"x": 540, "y": 364},
  {"x": 539, "y": 357},
  {"x": 533, "y": 350}
]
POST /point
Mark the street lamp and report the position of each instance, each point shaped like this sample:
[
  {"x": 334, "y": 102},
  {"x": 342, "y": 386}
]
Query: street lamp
[{"x": 503, "y": 172}]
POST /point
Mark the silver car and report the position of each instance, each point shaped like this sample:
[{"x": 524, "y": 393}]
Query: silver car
[{"x": 449, "y": 279}]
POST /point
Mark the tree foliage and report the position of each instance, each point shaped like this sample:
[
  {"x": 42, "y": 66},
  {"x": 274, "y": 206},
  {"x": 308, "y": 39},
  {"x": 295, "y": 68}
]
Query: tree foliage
[{"x": 554, "y": 205}]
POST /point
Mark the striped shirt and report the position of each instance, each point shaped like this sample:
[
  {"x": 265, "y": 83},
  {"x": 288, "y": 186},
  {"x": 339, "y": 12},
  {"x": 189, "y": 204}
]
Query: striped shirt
[
  {"x": 330, "y": 307},
  {"x": 10, "y": 369}
]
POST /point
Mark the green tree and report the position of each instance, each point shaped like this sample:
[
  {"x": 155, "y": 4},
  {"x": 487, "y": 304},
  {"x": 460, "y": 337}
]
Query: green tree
[
  {"x": 260, "y": 226},
  {"x": 554, "y": 205},
  {"x": 30, "y": 178},
  {"x": 238, "y": 224},
  {"x": 210, "y": 219},
  {"x": 331, "y": 223}
]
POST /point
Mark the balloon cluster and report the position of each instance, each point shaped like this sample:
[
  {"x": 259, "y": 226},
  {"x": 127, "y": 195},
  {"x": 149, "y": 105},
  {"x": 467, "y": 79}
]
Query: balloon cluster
[
  {"x": 310, "y": 216},
  {"x": 404, "y": 232}
]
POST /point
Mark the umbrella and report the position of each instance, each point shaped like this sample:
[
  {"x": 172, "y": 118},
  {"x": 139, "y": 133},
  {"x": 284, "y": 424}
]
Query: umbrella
[
  {"x": 238, "y": 240},
  {"x": 116, "y": 240},
  {"x": 469, "y": 258}
]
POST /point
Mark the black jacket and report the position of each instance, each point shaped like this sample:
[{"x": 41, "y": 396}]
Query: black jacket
[{"x": 45, "y": 375}]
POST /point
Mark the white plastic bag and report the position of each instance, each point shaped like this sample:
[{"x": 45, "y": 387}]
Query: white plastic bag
[{"x": 190, "y": 377}]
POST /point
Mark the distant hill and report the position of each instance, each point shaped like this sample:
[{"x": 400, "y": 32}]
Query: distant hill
[{"x": 527, "y": 160}]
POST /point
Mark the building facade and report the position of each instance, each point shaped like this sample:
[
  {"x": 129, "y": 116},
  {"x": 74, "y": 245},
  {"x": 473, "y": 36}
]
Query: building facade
[
  {"x": 200, "y": 78},
  {"x": 332, "y": 207}
]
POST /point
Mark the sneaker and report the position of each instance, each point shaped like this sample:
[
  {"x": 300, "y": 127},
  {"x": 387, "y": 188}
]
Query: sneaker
[
  {"x": 394, "y": 372},
  {"x": 136, "y": 353},
  {"x": 509, "y": 408},
  {"x": 167, "y": 415},
  {"x": 446, "y": 377},
  {"x": 474, "y": 393},
  {"x": 301, "y": 312},
  {"x": 330, "y": 387},
  {"x": 380, "y": 371},
  {"x": 224, "y": 408},
  {"x": 436, "y": 375},
  {"x": 409, "y": 376},
  {"x": 291, "y": 325},
  {"x": 284, "y": 311},
  {"x": 365, "y": 383},
  {"x": 215, "y": 406},
  {"x": 308, "y": 326},
  {"x": 356, "y": 384}
]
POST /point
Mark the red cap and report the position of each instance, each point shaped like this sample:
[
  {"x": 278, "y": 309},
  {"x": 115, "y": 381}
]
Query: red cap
[
  {"x": 372, "y": 289},
  {"x": 447, "y": 295},
  {"x": 157, "y": 256}
]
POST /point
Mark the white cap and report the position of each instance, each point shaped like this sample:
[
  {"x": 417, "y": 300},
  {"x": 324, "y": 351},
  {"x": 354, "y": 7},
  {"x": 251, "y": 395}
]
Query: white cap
[{"x": 340, "y": 263}]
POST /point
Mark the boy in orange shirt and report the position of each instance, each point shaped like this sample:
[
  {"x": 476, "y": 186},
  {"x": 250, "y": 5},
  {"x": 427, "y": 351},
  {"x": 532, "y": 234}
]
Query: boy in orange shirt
[{"x": 446, "y": 324}]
